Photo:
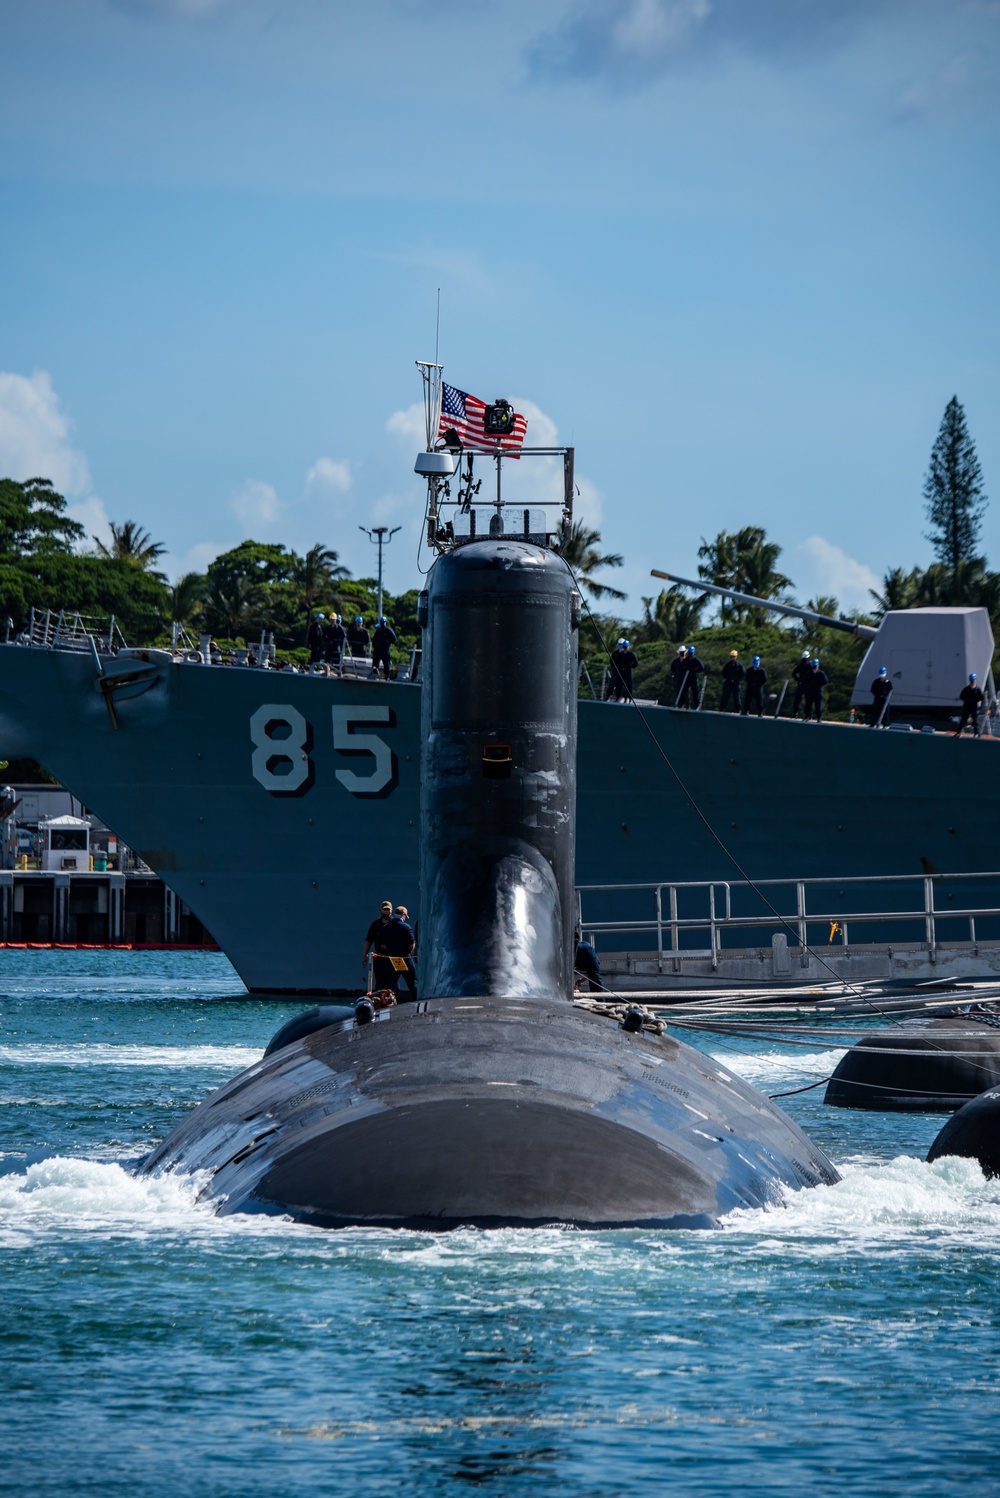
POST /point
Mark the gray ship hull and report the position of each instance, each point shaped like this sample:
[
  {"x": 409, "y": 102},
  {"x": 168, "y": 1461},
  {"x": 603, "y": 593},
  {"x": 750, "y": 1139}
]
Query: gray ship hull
[{"x": 282, "y": 808}]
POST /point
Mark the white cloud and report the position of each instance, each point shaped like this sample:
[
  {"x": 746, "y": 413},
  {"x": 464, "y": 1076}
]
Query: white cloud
[
  {"x": 196, "y": 559},
  {"x": 257, "y": 505},
  {"x": 657, "y": 26},
  {"x": 329, "y": 473},
  {"x": 588, "y": 503},
  {"x": 92, "y": 515},
  {"x": 408, "y": 425},
  {"x": 820, "y": 567},
  {"x": 35, "y": 435},
  {"x": 953, "y": 86}
]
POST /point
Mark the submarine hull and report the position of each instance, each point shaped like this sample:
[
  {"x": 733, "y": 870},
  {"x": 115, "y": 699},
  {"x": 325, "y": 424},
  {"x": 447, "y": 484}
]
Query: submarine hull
[{"x": 491, "y": 1112}]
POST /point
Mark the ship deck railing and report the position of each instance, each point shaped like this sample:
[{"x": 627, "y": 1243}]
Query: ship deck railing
[
  {"x": 67, "y": 629},
  {"x": 695, "y": 919}
]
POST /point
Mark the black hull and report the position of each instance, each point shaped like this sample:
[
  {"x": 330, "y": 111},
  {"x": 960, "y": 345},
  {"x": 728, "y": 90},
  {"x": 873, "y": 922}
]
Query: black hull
[{"x": 489, "y": 1112}]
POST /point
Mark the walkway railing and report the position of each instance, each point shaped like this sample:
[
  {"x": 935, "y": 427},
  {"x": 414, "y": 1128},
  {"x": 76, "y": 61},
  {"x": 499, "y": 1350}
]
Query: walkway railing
[
  {"x": 795, "y": 907},
  {"x": 65, "y": 629}
]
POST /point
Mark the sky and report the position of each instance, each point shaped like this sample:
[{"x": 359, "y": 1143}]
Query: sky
[{"x": 739, "y": 253}]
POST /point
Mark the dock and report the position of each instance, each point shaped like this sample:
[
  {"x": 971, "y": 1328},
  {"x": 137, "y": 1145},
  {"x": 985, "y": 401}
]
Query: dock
[{"x": 95, "y": 909}]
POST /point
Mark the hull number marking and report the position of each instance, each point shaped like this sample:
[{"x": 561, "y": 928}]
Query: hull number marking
[
  {"x": 283, "y": 744},
  {"x": 282, "y": 741},
  {"x": 383, "y": 778}
]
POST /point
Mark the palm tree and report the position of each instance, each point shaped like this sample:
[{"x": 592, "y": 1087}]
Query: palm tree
[
  {"x": 745, "y": 561},
  {"x": 130, "y": 543},
  {"x": 187, "y": 597},
  {"x": 580, "y": 551},
  {"x": 900, "y": 590},
  {"x": 240, "y": 609},
  {"x": 315, "y": 574},
  {"x": 674, "y": 616}
]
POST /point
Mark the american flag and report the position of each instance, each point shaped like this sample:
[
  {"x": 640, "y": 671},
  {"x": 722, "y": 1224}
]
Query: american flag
[{"x": 463, "y": 414}]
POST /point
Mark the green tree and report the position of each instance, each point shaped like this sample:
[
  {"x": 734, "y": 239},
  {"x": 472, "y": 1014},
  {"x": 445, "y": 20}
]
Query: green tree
[
  {"x": 130, "y": 543},
  {"x": 33, "y": 520},
  {"x": 39, "y": 569},
  {"x": 953, "y": 489},
  {"x": 900, "y": 590},
  {"x": 673, "y": 617},
  {"x": 745, "y": 561},
  {"x": 316, "y": 575},
  {"x": 236, "y": 608},
  {"x": 581, "y": 552},
  {"x": 99, "y": 587},
  {"x": 187, "y": 598}
]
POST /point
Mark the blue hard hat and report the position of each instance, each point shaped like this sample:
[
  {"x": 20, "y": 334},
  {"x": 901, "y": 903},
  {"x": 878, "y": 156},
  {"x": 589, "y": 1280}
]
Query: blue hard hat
[
  {"x": 882, "y": 671},
  {"x": 358, "y": 619},
  {"x": 972, "y": 675},
  {"x": 690, "y": 650},
  {"x": 755, "y": 661},
  {"x": 381, "y": 618},
  {"x": 814, "y": 662},
  {"x": 320, "y": 616},
  {"x": 627, "y": 644}
]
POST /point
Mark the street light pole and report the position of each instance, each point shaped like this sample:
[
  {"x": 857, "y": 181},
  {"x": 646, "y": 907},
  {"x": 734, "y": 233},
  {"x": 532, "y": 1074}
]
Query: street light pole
[{"x": 379, "y": 535}]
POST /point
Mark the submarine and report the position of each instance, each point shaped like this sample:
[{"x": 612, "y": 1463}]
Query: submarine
[{"x": 496, "y": 1100}]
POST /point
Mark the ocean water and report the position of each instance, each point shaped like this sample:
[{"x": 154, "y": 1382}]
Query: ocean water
[{"x": 847, "y": 1342}]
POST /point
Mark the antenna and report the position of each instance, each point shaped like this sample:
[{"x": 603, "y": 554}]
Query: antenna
[{"x": 437, "y": 331}]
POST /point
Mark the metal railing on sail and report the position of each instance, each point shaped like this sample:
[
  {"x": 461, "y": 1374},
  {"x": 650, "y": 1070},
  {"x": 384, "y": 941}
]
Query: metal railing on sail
[{"x": 717, "y": 922}]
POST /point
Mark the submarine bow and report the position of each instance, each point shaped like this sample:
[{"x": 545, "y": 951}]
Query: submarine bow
[{"x": 495, "y": 1101}]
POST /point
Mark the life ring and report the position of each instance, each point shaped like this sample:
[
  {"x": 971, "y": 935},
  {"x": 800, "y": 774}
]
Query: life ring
[{"x": 196, "y": 657}]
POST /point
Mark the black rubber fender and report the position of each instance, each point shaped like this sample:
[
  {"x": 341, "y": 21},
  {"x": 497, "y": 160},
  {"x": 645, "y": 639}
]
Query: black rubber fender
[
  {"x": 973, "y": 1132},
  {"x": 301, "y": 1025}
]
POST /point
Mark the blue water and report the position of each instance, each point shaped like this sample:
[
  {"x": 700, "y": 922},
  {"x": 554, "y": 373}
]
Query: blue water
[{"x": 847, "y": 1343}]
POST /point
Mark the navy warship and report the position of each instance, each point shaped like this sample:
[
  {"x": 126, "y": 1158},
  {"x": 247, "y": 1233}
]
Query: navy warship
[
  {"x": 496, "y": 1100},
  {"x": 279, "y": 802}
]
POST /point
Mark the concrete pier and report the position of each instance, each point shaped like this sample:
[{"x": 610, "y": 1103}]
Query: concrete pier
[{"x": 43, "y": 908}]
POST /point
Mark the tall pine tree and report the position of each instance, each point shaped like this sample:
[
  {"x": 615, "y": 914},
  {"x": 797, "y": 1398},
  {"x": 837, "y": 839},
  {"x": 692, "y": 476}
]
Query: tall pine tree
[{"x": 953, "y": 490}]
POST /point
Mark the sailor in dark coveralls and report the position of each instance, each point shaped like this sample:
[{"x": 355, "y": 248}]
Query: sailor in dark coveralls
[
  {"x": 732, "y": 678},
  {"x": 383, "y": 974},
  {"x": 587, "y": 969},
  {"x": 398, "y": 942},
  {"x": 972, "y": 702},
  {"x": 623, "y": 663},
  {"x": 314, "y": 639},
  {"x": 756, "y": 681},
  {"x": 878, "y": 713},
  {"x": 799, "y": 677},
  {"x": 678, "y": 671},
  {"x": 693, "y": 668},
  {"x": 334, "y": 640},
  {"x": 358, "y": 638},
  {"x": 382, "y": 641},
  {"x": 814, "y": 683}
]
